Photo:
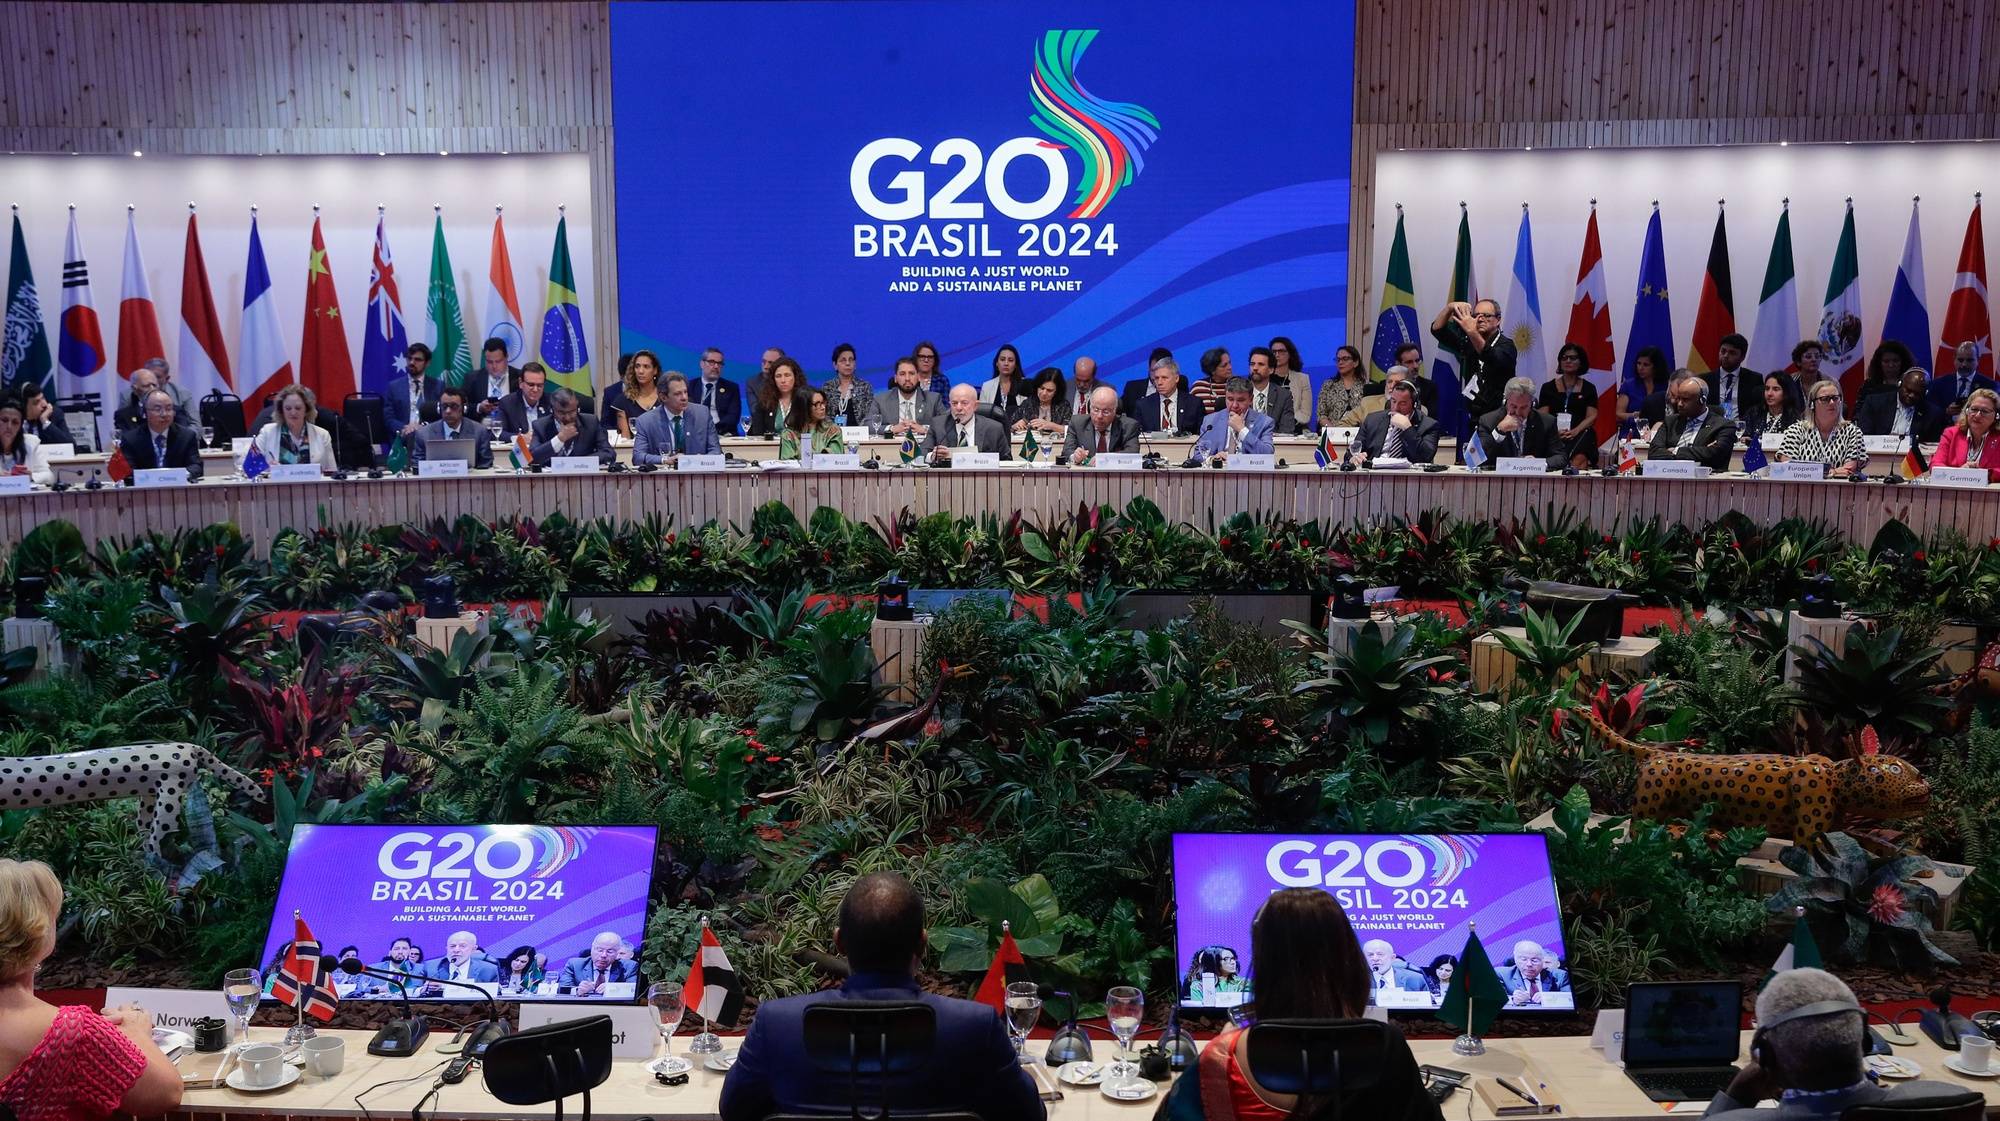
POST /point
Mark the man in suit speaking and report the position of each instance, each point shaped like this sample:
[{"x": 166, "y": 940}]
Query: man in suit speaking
[
  {"x": 461, "y": 962},
  {"x": 965, "y": 430},
  {"x": 157, "y": 441},
  {"x": 1101, "y": 429},
  {"x": 1238, "y": 428},
  {"x": 586, "y": 976}
]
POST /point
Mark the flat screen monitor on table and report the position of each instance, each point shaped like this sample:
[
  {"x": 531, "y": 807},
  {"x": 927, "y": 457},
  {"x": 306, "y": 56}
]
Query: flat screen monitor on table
[
  {"x": 526, "y": 912},
  {"x": 1409, "y": 897}
]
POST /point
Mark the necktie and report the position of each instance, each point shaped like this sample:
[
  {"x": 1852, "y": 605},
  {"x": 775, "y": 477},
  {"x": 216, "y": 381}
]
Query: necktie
[
  {"x": 964, "y": 435},
  {"x": 1534, "y": 987},
  {"x": 680, "y": 439},
  {"x": 159, "y": 451},
  {"x": 1729, "y": 395},
  {"x": 1235, "y": 439},
  {"x": 707, "y": 394},
  {"x": 1263, "y": 395},
  {"x": 1392, "y": 444},
  {"x": 1964, "y": 385},
  {"x": 600, "y": 978},
  {"x": 1166, "y": 414},
  {"x": 909, "y": 408},
  {"x": 1102, "y": 444},
  {"x": 458, "y": 972},
  {"x": 451, "y": 433},
  {"x": 1688, "y": 434}
]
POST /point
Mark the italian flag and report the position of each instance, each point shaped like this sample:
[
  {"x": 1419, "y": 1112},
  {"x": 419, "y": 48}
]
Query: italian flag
[{"x": 1840, "y": 322}]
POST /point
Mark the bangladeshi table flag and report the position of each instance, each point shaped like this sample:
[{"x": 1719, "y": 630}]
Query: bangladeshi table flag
[
  {"x": 326, "y": 366},
  {"x": 1475, "y": 995}
]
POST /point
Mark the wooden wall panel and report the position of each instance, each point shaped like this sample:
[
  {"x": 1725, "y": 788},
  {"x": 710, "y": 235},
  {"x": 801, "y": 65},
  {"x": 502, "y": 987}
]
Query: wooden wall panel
[
  {"x": 1654, "y": 73},
  {"x": 208, "y": 79}
]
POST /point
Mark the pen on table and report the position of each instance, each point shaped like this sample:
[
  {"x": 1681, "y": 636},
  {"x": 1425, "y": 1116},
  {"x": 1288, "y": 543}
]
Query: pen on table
[{"x": 1518, "y": 1091}]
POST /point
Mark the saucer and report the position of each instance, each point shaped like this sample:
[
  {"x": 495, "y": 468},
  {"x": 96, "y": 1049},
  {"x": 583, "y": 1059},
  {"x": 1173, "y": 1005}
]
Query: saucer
[
  {"x": 236, "y": 1082},
  {"x": 1136, "y": 1090},
  {"x": 669, "y": 1064},
  {"x": 1951, "y": 1065},
  {"x": 1081, "y": 1073},
  {"x": 1894, "y": 1067},
  {"x": 721, "y": 1060}
]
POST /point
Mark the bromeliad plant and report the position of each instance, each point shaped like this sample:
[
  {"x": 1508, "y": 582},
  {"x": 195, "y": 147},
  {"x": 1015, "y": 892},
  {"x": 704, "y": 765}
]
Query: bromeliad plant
[
  {"x": 1863, "y": 908},
  {"x": 1377, "y": 689}
]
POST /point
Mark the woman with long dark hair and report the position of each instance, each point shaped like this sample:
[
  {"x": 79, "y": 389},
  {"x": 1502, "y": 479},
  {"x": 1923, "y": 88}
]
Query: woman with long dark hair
[
  {"x": 1774, "y": 411},
  {"x": 1292, "y": 368},
  {"x": 1342, "y": 393},
  {"x": 1650, "y": 371},
  {"x": 635, "y": 394},
  {"x": 1308, "y": 966},
  {"x": 1046, "y": 407},
  {"x": 21, "y": 453},
  {"x": 810, "y": 426},
  {"x": 1886, "y": 368},
  {"x": 777, "y": 397},
  {"x": 1004, "y": 391}
]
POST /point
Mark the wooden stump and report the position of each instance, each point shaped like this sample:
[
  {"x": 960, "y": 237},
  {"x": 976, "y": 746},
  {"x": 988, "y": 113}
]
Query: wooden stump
[
  {"x": 1493, "y": 668},
  {"x": 898, "y": 644},
  {"x": 438, "y": 633}
]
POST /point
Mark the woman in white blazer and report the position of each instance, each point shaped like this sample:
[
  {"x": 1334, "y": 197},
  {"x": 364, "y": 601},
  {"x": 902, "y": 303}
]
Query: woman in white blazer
[
  {"x": 20, "y": 452},
  {"x": 292, "y": 436}
]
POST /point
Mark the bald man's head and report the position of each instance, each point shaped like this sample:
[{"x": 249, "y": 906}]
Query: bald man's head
[{"x": 881, "y": 925}]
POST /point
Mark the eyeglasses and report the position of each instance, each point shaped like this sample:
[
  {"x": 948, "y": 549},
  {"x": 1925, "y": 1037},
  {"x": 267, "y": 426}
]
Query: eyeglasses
[
  {"x": 711, "y": 361},
  {"x": 1824, "y": 398},
  {"x": 1982, "y": 410}
]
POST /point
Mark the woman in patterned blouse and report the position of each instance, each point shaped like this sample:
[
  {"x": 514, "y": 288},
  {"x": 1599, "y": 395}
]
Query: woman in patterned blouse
[
  {"x": 1342, "y": 393},
  {"x": 848, "y": 398},
  {"x": 1823, "y": 437}
]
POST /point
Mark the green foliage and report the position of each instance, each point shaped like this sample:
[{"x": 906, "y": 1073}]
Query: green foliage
[
  {"x": 1876, "y": 680},
  {"x": 1375, "y": 690},
  {"x": 427, "y": 684},
  {"x": 1605, "y": 957},
  {"x": 524, "y": 755},
  {"x": 51, "y": 550},
  {"x": 1028, "y": 908},
  {"x": 831, "y": 679},
  {"x": 1863, "y": 908},
  {"x": 1546, "y": 650},
  {"x": 1736, "y": 700}
]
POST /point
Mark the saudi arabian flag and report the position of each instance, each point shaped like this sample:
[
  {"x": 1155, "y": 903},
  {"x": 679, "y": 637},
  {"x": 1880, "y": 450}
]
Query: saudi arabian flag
[
  {"x": 1840, "y": 321},
  {"x": 24, "y": 351},
  {"x": 563, "y": 349},
  {"x": 451, "y": 354},
  {"x": 1475, "y": 995},
  {"x": 1777, "y": 330},
  {"x": 1396, "y": 324}
]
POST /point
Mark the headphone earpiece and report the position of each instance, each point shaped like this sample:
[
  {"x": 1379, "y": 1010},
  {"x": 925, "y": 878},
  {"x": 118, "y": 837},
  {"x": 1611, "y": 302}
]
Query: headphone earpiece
[{"x": 1803, "y": 1012}]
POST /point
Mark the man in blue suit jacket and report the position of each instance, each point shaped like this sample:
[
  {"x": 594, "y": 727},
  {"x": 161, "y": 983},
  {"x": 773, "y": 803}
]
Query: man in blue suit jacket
[
  {"x": 720, "y": 396},
  {"x": 587, "y": 976},
  {"x": 461, "y": 962},
  {"x": 1948, "y": 391},
  {"x": 655, "y": 438},
  {"x": 452, "y": 425},
  {"x": 1238, "y": 427},
  {"x": 402, "y": 404},
  {"x": 881, "y": 931},
  {"x": 1169, "y": 401}
]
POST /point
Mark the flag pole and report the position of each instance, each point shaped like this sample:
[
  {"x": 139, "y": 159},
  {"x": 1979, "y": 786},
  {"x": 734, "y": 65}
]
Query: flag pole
[
  {"x": 706, "y": 1042},
  {"x": 1469, "y": 1042},
  {"x": 300, "y": 1031}
]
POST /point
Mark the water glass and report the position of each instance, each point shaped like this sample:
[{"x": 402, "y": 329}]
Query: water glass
[
  {"x": 1123, "y": 1007},
  {"x": 665, "y": 1002},
  {"x": 242, "y": 989},
  {"x": 1024, "y": 1010}
]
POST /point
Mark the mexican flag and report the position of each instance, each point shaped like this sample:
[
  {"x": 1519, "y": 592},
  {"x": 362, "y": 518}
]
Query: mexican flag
[{"x": 1840, "y": 320}]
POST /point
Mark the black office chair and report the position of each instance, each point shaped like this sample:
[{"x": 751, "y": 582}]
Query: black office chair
[
  {"x": 869, "y": 1041},
  {"x": 549, "y": 1063},
  {"x": 364, "y": 426},
  {"x": 1967, "y": 1106},
  {"x": 1326, "y": 1059},
  {"x": 223, "y": 414}
]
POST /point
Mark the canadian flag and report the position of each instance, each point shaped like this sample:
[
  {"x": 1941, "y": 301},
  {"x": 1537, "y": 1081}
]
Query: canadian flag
[{"x": 1590, "y": 328}]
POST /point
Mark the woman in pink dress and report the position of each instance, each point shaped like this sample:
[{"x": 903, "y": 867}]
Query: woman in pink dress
[
  {"x": 1975, "y": 440},
  {"x": 70, "y": 1063}
]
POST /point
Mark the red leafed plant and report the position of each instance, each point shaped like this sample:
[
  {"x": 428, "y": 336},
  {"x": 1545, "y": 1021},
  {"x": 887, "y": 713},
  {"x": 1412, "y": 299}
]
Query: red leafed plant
[{"x": 292, "y": 722}]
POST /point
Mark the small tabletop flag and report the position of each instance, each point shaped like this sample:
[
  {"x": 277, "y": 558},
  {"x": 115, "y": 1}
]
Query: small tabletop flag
[
  {"x": 712, "y": 989},
  {"x": 1031, "y": 448},
  {"x": 1472, "y": 451},
  {"x": 254, "y": 463},
  {"x": 1802, "y": 952},
  {"x": 1754, "y": 459},
  {"x": 1007, "y": 968},
  {"x": 1913, "y": 464},
  {"x": 118, "y": 469},
  {"x": 517, "y": 452},
  {"x": 302, "y": 981},
  {"x": 1327, "y": 452},
  {"x": 908, "y": 451},
  {"x": 399, "y": 456},
  {"x": 1476, "y": 994}
]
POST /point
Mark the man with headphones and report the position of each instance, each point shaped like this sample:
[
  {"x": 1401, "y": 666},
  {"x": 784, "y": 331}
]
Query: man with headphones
[{"x": 1807, "y": 1054}]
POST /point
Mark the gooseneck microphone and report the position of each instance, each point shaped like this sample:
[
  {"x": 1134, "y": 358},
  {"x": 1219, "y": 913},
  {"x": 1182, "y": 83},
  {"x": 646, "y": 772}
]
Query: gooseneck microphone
[
  {"x": 480, "y": 1034},
  {"x": 397, "y": 1037},
  {"x": 1945, "y": 1027}
]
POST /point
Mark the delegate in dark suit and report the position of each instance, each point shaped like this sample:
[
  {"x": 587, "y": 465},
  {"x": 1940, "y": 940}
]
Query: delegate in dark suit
[
  {"x": 653, "y": 437},
  {"x": 1878, "y": 413},
  {"x": 1121, "y": 436},
  {"x": 1187, "y": 413},
  {"x": 1278, "y": 406},
  {"x": 973, "y": 1068},
  {"x": 1713, "y": 441},
  {"x": 580, "y": 970},
  {"x": 1420, "y": 439},
  {"x": 516, "y": 415},
  {"x": 1487, "y": 370},
  {"x": 183, "y": 448},
  {"x": 888, "y": 408},
  {"x": 590, "y": 440},
  {"x": 988, "y": 435},
  {"x": 1945, "y": 389},
  {"x": 482, "y": 444},
  {"x": 476, "y": 969},
  {"x": 722, "y": 398},
  {"x": 1749, "y": 391},
  {"x": 1535, "y": 438},
  {"x": 396, "y": 403}
]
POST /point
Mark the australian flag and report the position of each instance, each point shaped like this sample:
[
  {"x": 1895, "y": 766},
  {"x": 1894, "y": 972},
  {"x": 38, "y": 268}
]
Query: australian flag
[{"x": 383, "y": 341}]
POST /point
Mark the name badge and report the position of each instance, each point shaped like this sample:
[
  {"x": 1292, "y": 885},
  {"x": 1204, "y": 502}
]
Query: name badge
[
  {"x": 1562, "y": 421},
  {"x": 1959, "y": 476},
  {"x": 160, "y": 477},
  {"x": 173, "y": 1009},
  {"x": 1242, "y": 462},
  {"x": 1875, "y": 444},
  {"x": 974, "y": 459},
  {"x": 853, "y": 434},
  {"x": 442, "y": 469},
  {"x": 1798, "y": 471},
  {"x": 1675, "y": 469},
  {"x": 633, "y": 1035},
  {"x": 296, "y": 473},
  {"x": 574, "y": 464},
  {"x": 699, "y": 462},
  {"x": 15, "y": 484},
  {"x": 1772, "y": 441},
  {"x": 1520, "y": 465},
  {"x": 1118, "y": 461},
  {"x": 846, "y": 461}
]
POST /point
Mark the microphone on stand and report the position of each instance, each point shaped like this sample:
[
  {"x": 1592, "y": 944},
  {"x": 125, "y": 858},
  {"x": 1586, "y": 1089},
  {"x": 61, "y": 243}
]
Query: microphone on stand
[{"x": 479, "y": 1034}]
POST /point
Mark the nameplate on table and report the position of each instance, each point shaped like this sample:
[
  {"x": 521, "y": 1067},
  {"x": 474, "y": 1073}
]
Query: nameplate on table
[
  {"x": 689, "y": 462},
  {"x": 1521, "y": 465},
  {"x": 574, "y": 464},
  {"x": 837, "y": 461},
  {"x": 1958, "y": 476},
  {"x": 1608, "y": 1034},
  {"x": 16, "y": 484},
  {"x": 1401, "y": 998},
  {"x": 1118, "y": 461},
  {"x": 1675, "y": 469},
  {"x": 1799, "y": 471},
  {"x": 1243, "y": 461},
  {"x": 57, "y": 451},
  {"x": 160, "y": 477},
  {"x": 1880, "y": 444},
  {"x": 974, "y": 459},
  {"x": 442, "y": 469},
  {"x": 173, "y": 1009},
  {"x": 852, "y": 434},
  {"x": 633, "y": 1035},
  {"x": 296, "y": 473}
]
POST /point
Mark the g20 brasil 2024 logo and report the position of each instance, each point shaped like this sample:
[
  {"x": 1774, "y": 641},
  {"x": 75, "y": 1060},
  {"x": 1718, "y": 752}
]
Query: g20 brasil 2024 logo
[{"x": 1110, "y": 139}]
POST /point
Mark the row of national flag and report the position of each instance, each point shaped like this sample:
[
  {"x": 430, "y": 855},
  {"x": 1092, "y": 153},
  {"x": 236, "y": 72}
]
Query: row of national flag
[
  {"x": 1775, "y": 331},
  {"x": 262, "y": 360}
]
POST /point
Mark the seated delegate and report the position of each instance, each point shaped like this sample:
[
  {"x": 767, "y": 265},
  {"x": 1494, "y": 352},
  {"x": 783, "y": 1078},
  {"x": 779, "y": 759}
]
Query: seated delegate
[
  {"x": 1532, "y": 974},
  {"x": 1973, "y": 442},
  {"x": 965, "y": 429},
  {"x": 1401, "y": 431},
  {"x": 1308, "y": 967},
  {"x": 20, "y": 452},
  {"x": 1907, "y": 413},
  {"x": 587, "y": 975},
  {"x": 294, "y": 436},
  {"x": 452, "y": 425},
  {"x": 1101, "y": 430},
  {"x": 1694, "y": 432},
  {"x": 569, "y": 430},
  {"x": 69, "y": 1063},
  {"x": 881, "y": 933},
  {"x": 1823, "y": 437},
  {"x": 810, "y": 427},
  {"x": 159, "y": 440},
  {"x": 1238, "y": 428},
  {"x": 1517, "y": 430},
  {"x": 678, "y": 426}
]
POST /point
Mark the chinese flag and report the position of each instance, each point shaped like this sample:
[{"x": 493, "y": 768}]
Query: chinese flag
[
  {"x": 325, "y": 366},
  {"x": 118, "y": 468}
]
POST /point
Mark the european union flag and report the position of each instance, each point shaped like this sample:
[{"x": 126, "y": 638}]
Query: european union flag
[
  {"x": 1754, "y": 459},
  {"x": 1652, "y": 315}
]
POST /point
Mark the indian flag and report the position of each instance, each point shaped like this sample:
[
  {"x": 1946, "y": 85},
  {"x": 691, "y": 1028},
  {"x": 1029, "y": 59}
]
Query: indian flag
[{"x": 503, "y": 307}]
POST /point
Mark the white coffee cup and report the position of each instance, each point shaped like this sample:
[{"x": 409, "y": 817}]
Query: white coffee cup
[
  {"x": 1975, "y": 1054},
  {"x": 325, "y": 1054},
  {"x": 263, "y": 1064}
]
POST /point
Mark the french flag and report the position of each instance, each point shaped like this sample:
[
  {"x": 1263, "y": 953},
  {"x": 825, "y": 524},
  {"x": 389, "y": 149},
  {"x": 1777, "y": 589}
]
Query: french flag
[
  {"x": 80, "y": 348},
  {"x": 138, "y": 321},
  {"x": 261, "y": 350}
]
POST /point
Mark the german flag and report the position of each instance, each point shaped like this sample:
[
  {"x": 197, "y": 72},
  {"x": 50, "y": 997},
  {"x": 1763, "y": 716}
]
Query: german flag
[{"x": 1913, "y": 464}]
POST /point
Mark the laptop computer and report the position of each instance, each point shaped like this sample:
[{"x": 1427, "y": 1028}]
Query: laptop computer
[
  {"x": 1682, "y": 1038},
  {"x": 465, "y": 451}
]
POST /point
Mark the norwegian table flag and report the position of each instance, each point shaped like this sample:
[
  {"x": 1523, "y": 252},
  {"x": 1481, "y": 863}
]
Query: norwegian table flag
[
  {"x": 1008, "y": 967},
  {"x": 302, "y": 981},
  {"x": 711, "y": 988}
]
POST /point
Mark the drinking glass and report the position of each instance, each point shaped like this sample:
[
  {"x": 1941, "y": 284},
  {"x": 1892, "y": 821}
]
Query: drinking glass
[
  {"x": 667, "y": 1006},
  {"x": 242, "y": 989},
  {"x": 207, "y": 436},
  {"x": 1024, "y": 1009},
  {"x": 1123, "y": 1006}
]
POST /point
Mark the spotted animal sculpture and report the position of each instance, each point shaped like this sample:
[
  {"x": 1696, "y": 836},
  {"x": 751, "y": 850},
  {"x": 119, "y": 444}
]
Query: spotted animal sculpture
[
  {"x": 158, "y": 774},
  {"x": 1795, "y": 796}
]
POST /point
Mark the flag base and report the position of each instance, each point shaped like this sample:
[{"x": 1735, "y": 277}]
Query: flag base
[
  {"x": 1468, "y": 1045},
  {"x": 707, "y": 1043},
  {"x": 298, "y": 1033}
]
